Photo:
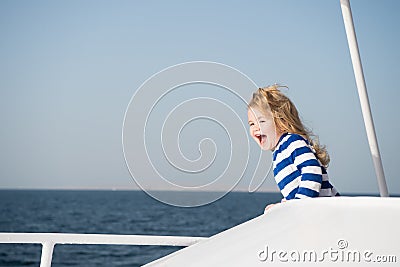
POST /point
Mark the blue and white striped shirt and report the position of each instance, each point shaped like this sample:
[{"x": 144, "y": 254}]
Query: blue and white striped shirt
[{"x": 297, "y": 171}]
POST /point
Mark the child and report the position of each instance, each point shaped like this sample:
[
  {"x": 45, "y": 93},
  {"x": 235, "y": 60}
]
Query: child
[{"x": 299, "y": 161}]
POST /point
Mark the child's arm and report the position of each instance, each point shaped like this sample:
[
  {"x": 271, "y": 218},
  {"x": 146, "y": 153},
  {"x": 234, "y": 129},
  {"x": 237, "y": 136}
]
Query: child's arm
[{"x": 311, "y": 171}]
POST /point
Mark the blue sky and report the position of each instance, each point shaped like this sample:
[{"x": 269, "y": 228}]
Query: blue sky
[{"x": 70, "y": 68}]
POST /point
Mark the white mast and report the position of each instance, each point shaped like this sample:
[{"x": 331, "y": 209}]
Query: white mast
[{"x": 362, "y": 93}]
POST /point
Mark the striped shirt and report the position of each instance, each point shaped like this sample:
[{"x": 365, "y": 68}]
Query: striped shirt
[{"x": 297, "y": 171}]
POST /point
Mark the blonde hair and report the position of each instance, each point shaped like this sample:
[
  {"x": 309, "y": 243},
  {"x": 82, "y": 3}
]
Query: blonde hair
[{"x": 286, "y": 117}]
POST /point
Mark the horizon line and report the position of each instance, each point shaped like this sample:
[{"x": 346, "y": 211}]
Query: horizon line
[{"x": 175, "y": 191}]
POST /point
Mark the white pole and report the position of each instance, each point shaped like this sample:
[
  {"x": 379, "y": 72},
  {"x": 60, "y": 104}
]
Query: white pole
[
  {"x": 362, "y": 93},
  {"x": 47, "y": 254}
]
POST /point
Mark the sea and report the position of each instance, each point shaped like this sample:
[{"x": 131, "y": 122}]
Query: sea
[{"x": 113, "y": 212}]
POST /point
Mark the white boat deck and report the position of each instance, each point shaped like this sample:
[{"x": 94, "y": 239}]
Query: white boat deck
[{"x": 328, "y": 231}]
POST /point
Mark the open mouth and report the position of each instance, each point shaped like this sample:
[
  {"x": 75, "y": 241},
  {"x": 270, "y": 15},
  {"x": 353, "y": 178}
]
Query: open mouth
[{"x": 260, "y": 138}]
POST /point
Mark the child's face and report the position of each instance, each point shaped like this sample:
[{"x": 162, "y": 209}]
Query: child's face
[{"x": 262, "y": 129}]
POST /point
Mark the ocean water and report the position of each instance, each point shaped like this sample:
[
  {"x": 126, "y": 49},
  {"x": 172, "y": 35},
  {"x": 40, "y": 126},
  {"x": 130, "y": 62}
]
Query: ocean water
[{"x": 113, "y": 212}]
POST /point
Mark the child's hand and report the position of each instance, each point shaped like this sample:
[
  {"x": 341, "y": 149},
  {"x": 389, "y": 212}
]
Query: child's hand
[{"x": 268, "y": 207}]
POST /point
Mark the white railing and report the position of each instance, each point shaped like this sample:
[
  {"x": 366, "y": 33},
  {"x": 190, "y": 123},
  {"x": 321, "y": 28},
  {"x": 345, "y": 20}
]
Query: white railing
[{"x": 48, "y": 240}]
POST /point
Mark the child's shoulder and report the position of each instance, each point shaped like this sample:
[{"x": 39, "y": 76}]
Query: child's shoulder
[
  {"x": 292, "y": 140},
  {"x": 292, "y": 137}
]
